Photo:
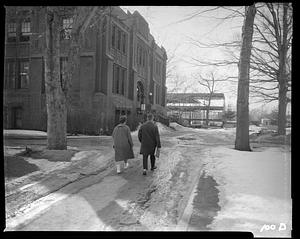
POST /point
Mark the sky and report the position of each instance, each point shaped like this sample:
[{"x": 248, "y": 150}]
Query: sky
[{"x": 175, "y": 35}]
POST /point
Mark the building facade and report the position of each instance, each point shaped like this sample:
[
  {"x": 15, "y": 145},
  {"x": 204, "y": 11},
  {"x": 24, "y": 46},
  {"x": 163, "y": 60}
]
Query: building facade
[
  {"x": 191, "y": 108},
  {"x": 122, "y": 71}
]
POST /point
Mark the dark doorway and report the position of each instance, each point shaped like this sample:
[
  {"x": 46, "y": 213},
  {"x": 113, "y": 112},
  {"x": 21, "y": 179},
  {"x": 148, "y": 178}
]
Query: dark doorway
[{"x": 16, "y": 117}]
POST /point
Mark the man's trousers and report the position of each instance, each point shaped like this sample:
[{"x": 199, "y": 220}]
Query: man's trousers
[{"x": 145, "y": 161}]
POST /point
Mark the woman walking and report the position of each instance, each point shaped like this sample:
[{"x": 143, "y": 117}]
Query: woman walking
[{"x": 122, "y": 143}]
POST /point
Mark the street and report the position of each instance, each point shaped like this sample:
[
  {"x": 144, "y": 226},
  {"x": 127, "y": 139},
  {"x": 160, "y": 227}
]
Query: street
[{"x": 176, "y": 196}]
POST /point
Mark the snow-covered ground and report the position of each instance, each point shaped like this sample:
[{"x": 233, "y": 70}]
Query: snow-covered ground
[
  {"x": 176, "y": 126},
  {"x": 254, "y": 190},
  {"x": 254, "y": 187},
  {"x": 161, "y": 129},
  {"x": 19, "y": 132}
]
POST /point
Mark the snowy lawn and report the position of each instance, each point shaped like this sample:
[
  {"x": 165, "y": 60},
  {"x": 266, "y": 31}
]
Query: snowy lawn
[
  {"x": 254, "y": 190},
  {"x": 36, "y": 133},
  {"x": 22, "y": 132}
]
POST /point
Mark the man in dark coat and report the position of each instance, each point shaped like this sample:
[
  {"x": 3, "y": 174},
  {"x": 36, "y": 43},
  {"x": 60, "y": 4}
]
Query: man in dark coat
[
  {"x": 122, "y": 143},
  {"x": 149, "y": 137}
]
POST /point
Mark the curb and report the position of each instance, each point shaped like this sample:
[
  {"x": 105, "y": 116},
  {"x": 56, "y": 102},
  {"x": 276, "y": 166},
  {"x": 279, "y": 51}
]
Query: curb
[{"x": 183, "y": 222}]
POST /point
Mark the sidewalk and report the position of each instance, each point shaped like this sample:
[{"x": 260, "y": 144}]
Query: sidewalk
[{"x": 22, "y": 191}]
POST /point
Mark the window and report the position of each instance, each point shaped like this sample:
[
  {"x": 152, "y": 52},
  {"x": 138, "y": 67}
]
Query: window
[
  {"x": 43, "y": 76},
  {"x": 25, "y": 30},
  {"x": 119, "y": 77},
  {"x": 157, "y": 94},
  {"x": 113, "y": 36},
  {"x": 67, "y": 28},
  {"x": 17, "y": 74},
  {"x": 158, "y": 67},
  {"x": 119, "y": 40},
  {"x": 115, "y": 79},
  {"x": 23, "y": 79},
  {"x": 144, "y": 60},
  {"x": 140, "y": 56},
  {"x": 11, "y": 32},
  {"x": 123, "y": 81},
  {"x": 124, "y": 43},
  {"x": 10, "y": 74}
]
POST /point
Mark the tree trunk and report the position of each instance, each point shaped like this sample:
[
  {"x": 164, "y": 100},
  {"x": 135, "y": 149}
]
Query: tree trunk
[
  {"x": 55, "y": 98},
  {"x": 208, "y": 109},
  {"x": 242, "y": 129},
  {"x": 282, "y": 101}
]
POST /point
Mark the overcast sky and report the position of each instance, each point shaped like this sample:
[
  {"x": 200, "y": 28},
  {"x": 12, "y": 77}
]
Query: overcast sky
[{"x": 168, "y": 29}]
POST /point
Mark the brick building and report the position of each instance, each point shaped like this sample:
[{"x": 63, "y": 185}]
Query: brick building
[{"x": 122, "y": 71}]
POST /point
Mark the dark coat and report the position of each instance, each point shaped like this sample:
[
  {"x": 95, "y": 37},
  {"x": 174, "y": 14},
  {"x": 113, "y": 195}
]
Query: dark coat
[
  {"x": 122, "y": 142},
  {"x": 149, "y": 137}
]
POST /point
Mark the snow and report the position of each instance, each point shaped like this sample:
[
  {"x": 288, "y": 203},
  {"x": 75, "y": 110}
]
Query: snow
[
  {"x": 161, "y": 129},
  {"x": 254, "y": 190},
  {"x": 46, "y": 166},
  {"x": 254, "y": 187},
  {"x": 178, "y": 127},
  {"x": 19, "y": 132},
  {"x": 254, "y": 129}
]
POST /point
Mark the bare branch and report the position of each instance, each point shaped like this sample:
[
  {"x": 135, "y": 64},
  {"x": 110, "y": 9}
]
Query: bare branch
[{"x": 192, "y": 16}]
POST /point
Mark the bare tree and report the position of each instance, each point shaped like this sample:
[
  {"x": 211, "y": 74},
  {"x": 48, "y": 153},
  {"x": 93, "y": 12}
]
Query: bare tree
[
  {"x": 210, "y": 83},
  {"x": 242, "y": 129},
  {"x": 270, "y": 64},
  {"x": 171, "y": 61},
  {"x": 272, "y": 55},
  {"x": 177, "y": 84},
  {"x": 56, "y": 87}
]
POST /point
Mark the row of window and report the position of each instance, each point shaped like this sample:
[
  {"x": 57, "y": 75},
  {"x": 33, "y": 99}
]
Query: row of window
[
  {"x": 24, "y": 32},
  {"x": 141, "y": 56},
  {"x": 141, "y": 60},
  {"x": 119, "y": 78},
  {"x": 17, "y": 74},
  {"x": 158, "y": 67},
  {"x": 118, "y": 39}
]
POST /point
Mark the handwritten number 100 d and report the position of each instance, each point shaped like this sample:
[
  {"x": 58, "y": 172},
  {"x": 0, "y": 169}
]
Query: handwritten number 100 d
[{"x": 266, "y": 227}]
